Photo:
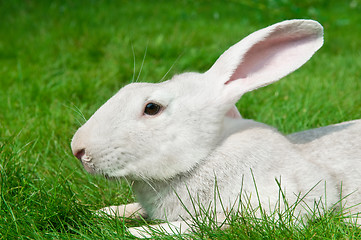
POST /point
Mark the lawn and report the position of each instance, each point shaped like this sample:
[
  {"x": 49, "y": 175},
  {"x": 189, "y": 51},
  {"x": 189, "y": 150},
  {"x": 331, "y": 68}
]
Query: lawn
[{"x": 61, "y": 60}]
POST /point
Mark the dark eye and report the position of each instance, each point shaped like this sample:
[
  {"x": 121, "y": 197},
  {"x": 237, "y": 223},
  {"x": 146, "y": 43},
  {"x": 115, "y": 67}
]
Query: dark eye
[{"x": 152, "y": 109}]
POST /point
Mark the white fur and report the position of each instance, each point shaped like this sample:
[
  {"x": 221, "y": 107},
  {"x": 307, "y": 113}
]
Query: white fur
[{"x": 200, "y": 137}]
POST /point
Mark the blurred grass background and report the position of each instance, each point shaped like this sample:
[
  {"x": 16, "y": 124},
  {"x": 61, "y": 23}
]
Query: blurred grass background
[{"x": 60, "y": 60}]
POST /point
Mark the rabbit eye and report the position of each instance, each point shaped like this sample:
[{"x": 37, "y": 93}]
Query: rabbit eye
[{"x": 152, "y": 109}]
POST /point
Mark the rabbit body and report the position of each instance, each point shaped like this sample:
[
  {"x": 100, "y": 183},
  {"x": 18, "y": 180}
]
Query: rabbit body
[
  {"x": 184, "y": 143},
  {"x": 298, "y": 166}
]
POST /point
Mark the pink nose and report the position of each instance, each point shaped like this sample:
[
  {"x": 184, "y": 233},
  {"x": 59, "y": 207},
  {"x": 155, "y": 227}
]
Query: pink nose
[{"x": 79, "y": 154}]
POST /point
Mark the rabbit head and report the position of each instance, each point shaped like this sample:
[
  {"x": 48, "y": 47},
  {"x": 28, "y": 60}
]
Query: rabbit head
[{"x": 156, "y": 131}]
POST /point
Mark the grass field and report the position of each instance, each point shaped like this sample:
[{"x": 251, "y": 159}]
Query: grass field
[{"x": 61, "y": 60}]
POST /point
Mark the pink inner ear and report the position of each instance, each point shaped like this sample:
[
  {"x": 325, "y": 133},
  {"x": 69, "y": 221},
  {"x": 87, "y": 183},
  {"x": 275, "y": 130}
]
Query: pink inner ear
[
  {"x": 233, "y": 113},
  {"x": 278, "y": 56}
]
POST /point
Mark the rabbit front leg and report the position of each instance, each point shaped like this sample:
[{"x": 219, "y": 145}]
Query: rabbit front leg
[
  {"x": 169, "y": 228},
  {"x": 135, "y": 210},
  {"x": 175, "y": 227},
  {"x": 132, "y": 210}
]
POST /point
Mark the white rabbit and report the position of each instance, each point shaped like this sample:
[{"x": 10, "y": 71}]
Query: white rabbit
[{"x": 175, "y": 138}]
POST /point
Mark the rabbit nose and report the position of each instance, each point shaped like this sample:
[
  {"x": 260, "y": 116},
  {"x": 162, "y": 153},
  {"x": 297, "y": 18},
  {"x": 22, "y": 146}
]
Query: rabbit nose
[{"x": 79, "y": 153}]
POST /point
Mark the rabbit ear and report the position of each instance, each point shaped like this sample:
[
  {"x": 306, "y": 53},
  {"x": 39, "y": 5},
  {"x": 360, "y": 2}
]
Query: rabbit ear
[
  {"x": 233, "y": 112},
  {"x": 266, "y": 55}
]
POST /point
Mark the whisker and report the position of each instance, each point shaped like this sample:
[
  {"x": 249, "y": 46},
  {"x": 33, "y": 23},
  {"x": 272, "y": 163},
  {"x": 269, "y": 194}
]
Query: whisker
[
  {"x": 130, "y": 185},
  {"x": 127, "y": 181},
  {"x": 141, "y": 67},
  {"x": 165, "y": 75},
  {"x": 151, "y": 186},
  {"x": 133, "y": 63},
  {"x": 75, "y": 109}
]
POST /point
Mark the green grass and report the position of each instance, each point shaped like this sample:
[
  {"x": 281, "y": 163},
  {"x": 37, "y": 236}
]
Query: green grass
[{"x": 60, "y": 60}]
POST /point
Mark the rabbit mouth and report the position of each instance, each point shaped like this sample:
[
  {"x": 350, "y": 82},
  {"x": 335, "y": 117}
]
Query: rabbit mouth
[{"x": 88, "y": 164}]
